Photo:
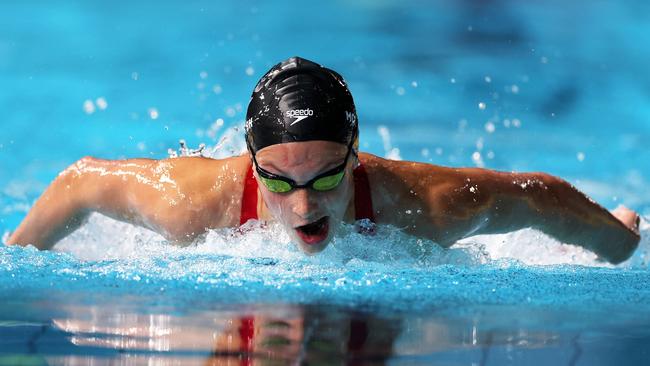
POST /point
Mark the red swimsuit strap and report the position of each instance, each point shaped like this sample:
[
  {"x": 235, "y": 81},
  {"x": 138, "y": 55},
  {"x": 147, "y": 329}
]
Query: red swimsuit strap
[
  {"x": 249, "y": 198},
  {"x": 362, "y": 198}
]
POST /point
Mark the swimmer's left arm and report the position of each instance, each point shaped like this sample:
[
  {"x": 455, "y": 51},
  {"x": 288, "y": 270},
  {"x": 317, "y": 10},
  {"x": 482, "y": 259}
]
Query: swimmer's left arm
[{"x": 478, "y": 201}]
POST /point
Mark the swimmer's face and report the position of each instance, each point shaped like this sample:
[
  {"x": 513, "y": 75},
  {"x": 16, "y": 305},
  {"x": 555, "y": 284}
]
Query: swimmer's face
[{"x": 310, "y": 217}]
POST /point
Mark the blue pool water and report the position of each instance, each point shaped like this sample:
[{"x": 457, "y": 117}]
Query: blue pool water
[{"x": 545, "y": 86}]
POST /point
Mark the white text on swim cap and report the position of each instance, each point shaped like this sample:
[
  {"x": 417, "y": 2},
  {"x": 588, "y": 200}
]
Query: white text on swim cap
[
  {"x": 351, "y": 117},
  {"x": 299, "y": 114}
]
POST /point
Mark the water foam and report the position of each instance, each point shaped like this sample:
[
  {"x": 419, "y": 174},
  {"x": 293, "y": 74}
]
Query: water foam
[
  {"x": 103, "y": 238},
  {"x": 107, "y": 259}
]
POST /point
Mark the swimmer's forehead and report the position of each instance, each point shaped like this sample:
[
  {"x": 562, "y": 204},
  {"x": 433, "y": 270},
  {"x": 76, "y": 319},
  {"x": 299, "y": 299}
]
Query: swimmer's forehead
[{"x": 317, "y": 155}]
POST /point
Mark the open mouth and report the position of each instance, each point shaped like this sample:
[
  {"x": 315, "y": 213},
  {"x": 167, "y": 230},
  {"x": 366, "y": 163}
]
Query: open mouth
[{"x": 314, "y": 232}]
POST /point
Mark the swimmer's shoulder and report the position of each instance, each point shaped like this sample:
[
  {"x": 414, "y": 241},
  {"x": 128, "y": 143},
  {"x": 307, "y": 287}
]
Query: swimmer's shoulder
[
  {"x": 399, "y": 177},
  {"x": 212, "y": 188},
  {"x": 206, "y": 178},
  {"x": 380, "y": 169},
  {"x": 406, "y": 192},
  {"x": 202, "y": 172}
]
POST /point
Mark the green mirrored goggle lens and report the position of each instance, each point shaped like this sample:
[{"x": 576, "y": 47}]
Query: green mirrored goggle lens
[
  {"x": 321, "y": 184},
  {"x": 276, "y": 185},
  {"x": 329, "y": 182}
]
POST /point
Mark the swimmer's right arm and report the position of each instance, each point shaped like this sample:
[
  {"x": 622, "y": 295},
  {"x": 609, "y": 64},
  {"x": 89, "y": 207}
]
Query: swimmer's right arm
[
  {"x": 175, "y": 198},
  {"x": 60, "y": 210}
]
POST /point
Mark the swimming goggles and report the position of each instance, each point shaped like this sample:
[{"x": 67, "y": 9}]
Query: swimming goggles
[{"x": 322, "y": 182}]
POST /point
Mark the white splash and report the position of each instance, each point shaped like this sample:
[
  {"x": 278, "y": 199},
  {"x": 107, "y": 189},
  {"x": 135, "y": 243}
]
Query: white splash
[
  {"x": 390, "y": 152},
  {"x": 103, "y": 238}
]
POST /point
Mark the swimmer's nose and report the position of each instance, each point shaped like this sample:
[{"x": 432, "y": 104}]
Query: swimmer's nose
[{"x": 304, "y": 204}]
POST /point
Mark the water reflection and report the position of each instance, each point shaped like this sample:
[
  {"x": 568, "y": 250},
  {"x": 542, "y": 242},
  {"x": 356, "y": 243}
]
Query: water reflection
[
  {"x": 314, "y": 335},
  {"x": 292, "y": 334},
  {"x": 275, "y": 335}
]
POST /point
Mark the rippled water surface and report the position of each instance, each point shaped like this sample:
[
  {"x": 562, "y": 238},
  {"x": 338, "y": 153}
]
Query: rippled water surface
[{"x": 555, "y": 86}]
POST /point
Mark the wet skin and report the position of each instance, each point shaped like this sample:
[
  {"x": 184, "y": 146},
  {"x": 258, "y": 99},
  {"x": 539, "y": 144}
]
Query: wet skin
[
  {"x": 299, "y": 207},
  {"x": 182, "y": 198}
]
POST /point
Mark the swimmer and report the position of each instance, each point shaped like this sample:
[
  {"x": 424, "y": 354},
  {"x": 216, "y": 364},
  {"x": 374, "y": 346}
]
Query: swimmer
[{"x": 303, "y": 170}]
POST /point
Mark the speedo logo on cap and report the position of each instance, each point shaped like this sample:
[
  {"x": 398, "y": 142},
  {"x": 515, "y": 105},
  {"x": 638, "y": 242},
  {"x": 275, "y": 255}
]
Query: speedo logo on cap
[{"x": 299, "y": 114}]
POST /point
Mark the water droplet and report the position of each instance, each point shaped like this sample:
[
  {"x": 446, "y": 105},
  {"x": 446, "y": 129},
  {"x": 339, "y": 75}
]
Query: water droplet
[
  {"x": 217, "y": 89},
  {"x": 580, "y": 156},
  {"x": 479, "y": 144},
  {"x": 153, "y": 113},
  {"x": 490, "y": 127},
  {"x": 481, "y": 106},
  {"x": 203, "y": 74},
  {"x": 89, "y": 107},
  {"x": 400, "y": 90},
  {"x": 488, "y": 79},
  {"x": 476, "y": 158},
  {"x": 250, "y": 71},
  {"x": 101, "y": 103}
]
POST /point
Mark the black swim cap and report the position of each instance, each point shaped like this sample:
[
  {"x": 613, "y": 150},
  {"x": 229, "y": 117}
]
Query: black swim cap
[{"x": 299, "y": 100}]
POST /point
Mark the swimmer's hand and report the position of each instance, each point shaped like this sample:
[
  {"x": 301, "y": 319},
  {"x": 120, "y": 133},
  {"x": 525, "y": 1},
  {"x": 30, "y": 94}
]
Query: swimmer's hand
[{"x": 628, "y": 217}]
